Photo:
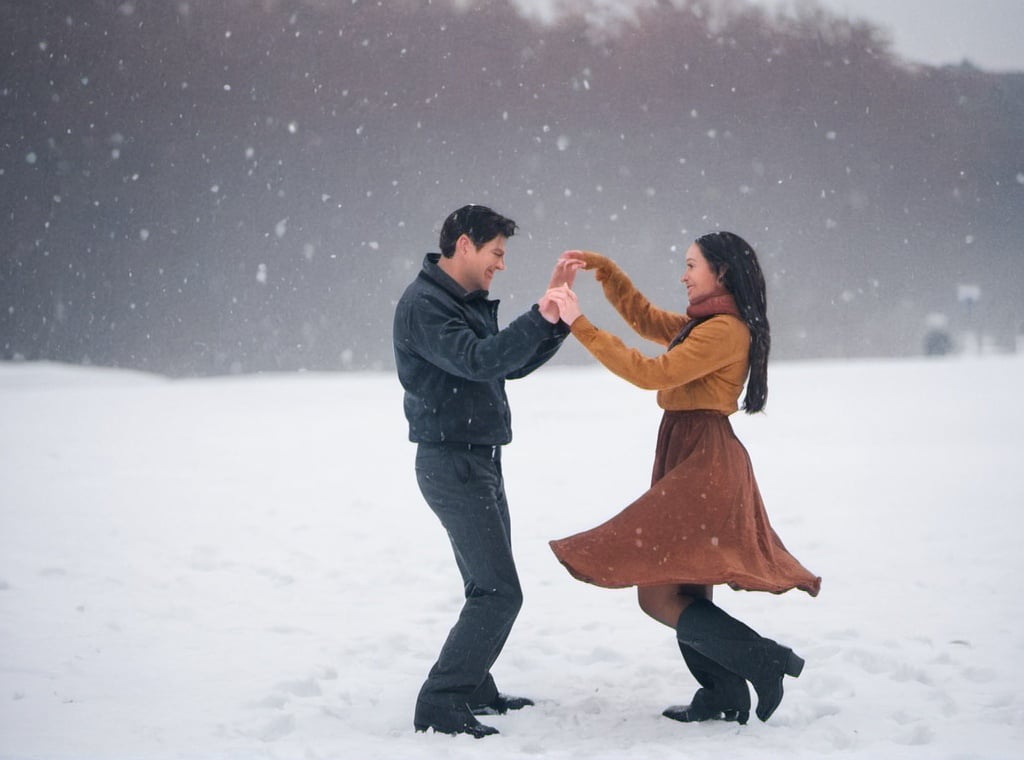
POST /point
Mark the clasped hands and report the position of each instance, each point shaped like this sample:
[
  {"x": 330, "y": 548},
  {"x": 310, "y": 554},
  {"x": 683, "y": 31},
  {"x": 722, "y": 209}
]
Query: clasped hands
[{"x": 560, "y": 301}]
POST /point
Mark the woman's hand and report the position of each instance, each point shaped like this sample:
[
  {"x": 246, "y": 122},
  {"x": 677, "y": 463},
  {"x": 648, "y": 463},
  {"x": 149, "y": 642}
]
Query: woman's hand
[
  {"x": 562, "y": 277},
  {"x": 565, "y": 271},
  {"x": 602, "y": 266}
]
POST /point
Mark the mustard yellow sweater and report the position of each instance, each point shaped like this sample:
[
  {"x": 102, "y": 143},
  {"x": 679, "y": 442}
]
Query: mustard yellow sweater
[{"x": 705, "y": 371}]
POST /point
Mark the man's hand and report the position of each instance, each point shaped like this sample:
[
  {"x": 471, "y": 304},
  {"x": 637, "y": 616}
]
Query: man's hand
[
  {"x": 565, "y": 300},
  {"x": 548, "y": 309}
]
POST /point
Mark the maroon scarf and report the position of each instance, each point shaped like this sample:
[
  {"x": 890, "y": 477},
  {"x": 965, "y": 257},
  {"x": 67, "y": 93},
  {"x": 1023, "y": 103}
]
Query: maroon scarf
[{"x": 702, "y": 310}]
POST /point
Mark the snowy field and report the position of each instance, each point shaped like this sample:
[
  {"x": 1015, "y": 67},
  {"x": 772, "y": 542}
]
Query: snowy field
[{"x": 244, "y": 568}]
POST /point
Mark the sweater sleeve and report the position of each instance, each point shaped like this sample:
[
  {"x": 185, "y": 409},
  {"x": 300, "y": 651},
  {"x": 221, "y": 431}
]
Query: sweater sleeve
[
  {"x": 650, "y": 322},
  {"x": 716, "y": 343}
]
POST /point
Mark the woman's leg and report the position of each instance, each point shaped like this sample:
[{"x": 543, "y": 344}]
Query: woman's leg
[
  {"x": 666, "y": 603},
  {"x": 722, "y": 695},
  {"x": 739, "y": 649}
]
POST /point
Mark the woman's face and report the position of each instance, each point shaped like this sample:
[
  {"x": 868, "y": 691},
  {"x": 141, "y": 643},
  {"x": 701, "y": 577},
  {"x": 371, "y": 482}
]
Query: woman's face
[{"x": 700, "y": 280}]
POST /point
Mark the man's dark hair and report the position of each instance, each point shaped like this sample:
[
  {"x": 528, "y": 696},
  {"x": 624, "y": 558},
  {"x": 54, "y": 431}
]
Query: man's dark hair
[{"x": 479, "y": 223}]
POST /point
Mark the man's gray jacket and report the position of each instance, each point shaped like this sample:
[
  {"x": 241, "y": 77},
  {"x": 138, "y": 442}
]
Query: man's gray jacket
[{"x": 453, "y": 360}]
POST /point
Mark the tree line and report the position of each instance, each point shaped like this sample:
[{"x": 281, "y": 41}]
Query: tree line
[{"x": 242, "y": 185}]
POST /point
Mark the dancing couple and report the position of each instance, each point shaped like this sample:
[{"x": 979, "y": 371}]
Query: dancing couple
[{"x": 701, "y": 524}]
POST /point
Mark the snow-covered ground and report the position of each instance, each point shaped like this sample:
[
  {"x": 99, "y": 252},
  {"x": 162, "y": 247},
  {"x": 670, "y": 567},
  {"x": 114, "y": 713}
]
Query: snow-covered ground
[{"x": 244, "y": 568}]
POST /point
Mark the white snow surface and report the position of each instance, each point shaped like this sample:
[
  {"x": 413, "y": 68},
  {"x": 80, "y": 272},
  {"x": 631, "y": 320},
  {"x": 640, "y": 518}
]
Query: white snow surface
[{"x": 244, "y": 568}]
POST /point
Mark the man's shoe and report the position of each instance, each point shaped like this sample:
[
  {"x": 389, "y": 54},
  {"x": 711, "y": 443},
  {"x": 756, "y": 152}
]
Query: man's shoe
[
  {"x": 448, "y": 720},
  {"x": 501, "y": 704}
]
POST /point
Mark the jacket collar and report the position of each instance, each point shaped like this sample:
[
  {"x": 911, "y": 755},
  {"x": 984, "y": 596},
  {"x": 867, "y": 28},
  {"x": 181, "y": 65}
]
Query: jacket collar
[{"x": 438, "y": 276}]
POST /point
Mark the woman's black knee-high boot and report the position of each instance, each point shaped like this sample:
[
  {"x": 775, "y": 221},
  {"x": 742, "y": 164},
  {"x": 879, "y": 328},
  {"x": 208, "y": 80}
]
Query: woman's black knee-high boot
[
  {"x": 739, "y": 649},
  {"x": 723, "y": 695}
]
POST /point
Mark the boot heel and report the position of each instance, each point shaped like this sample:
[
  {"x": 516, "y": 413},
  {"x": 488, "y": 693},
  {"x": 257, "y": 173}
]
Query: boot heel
[{"x": 794, "y": 664}]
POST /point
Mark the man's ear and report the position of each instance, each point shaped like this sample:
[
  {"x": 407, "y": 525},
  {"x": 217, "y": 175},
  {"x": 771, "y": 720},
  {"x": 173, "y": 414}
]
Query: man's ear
[{"x": 464, "y": 245}]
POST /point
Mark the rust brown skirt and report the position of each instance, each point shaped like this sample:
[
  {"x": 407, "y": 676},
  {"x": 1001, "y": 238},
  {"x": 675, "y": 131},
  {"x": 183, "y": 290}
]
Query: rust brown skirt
[{"x": 702, "y": 522}]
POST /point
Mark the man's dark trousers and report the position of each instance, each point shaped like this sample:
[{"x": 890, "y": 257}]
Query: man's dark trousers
[{"x": 464, "y": 487}]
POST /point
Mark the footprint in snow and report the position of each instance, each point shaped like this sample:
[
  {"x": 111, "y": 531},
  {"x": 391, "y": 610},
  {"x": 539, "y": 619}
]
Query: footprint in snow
[
  {"x": 307, "y": 687},
  {"x": 277, "y": 728}
]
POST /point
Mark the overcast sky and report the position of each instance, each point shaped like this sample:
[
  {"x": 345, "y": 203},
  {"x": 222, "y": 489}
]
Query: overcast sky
[{"x": 987, "y": 32}]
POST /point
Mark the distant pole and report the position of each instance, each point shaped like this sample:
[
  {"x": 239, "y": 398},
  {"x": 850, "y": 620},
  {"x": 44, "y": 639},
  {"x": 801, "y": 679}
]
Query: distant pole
[{"x": 969, "y": 295}]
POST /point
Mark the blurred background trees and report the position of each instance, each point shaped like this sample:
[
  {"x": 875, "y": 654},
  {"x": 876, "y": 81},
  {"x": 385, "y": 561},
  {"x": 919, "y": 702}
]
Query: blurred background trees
[{"x": 244, "y": 185}]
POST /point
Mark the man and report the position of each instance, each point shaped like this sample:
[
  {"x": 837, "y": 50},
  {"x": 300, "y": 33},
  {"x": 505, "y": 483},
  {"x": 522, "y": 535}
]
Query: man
[{"x": 453, "y": 361}]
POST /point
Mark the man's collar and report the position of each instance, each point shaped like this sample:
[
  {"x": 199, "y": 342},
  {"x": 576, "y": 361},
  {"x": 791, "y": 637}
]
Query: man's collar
[{"x": 432, "y": 270}]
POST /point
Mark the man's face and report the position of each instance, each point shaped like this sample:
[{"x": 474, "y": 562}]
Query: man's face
[{"x": 480, "y": 264}]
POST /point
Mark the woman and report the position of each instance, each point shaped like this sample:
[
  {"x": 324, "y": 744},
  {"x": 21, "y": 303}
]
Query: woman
[{"x": 702, "y": 522}]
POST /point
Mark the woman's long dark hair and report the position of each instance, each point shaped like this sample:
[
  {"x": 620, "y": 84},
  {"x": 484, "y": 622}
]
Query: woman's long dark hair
[{"x": 734, "y": 261}]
